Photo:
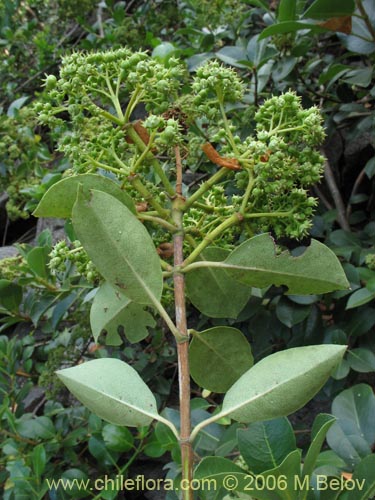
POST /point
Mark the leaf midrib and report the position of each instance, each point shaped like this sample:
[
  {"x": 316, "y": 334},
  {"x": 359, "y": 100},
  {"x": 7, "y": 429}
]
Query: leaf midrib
[
  {"x": 257, "y": 396},
  {"x": 113, "y": 398},
  {"x": 121, "y": 255}
]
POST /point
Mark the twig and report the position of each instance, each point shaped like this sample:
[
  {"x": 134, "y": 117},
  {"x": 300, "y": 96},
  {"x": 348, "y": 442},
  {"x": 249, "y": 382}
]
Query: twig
[
  {"x": 322, "y": 197},
  {"x": 336, "y": 195},
  {"x": 357, "y": 183}
]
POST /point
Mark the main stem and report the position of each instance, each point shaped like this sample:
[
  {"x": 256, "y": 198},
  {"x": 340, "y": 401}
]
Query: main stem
[{"x": 182, "y": 346}]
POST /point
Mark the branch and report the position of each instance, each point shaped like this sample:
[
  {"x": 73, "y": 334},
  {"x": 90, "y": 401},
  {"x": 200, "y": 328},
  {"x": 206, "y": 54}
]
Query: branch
[{"x": 336, "y": 195}]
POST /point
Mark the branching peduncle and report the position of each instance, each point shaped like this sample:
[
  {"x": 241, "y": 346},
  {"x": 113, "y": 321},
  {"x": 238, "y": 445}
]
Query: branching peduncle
[
  {"x": 216, "y": 178},
  {"x": 234, "y": 219},
  {"x": 148, "y": 196},
  {"x": 155, "y": 163}
]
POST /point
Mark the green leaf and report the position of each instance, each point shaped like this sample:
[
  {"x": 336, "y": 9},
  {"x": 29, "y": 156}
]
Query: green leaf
[
  {"x": 281, "y": 383},
  {"x": 213, "y": 291},
  {"x": 38, "y": 460},
  {"x": 283, "y": 478},
  {"x": 218, "y": 357},
  {"x": 119, "y": 246},
  {"x": 10, "y": 295},
  {"x": 353, "y": 434},
  {"x": 321, "y": 9},
  {"x": 290, "y": 27},
  {"x": 320, "y": 428},
  {"x": 228, "y": 477},
  {"x": 111, "y": 309},
  {"x": 117, "y": 438},
  {"x": 16, "y": 105},
  {"x": 98, "y": 449},
  {"x": 291, "y": 314},
  {"x": 365, "y": 479},
  {"x": 77, "y": 481},
  {"x": 264, "y": 445},
  {"x": 37, "y": 260},
  {"x": 361, "y": 77},
  {"x": 36, "y": 427},
  {"x": 361, "y": 360},
  {"x": 360, "y": 297},
  {"x": 58, "y": 201},
  {"x": 286, "y": 10},
  {"x": 113, "y": 390},
  {"x": 317, "y": 270},
  {"x": 164, "y": 51},
  {"x": 231, "y": 55}
]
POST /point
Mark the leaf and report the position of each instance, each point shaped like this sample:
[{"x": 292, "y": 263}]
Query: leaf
[
  {"x": 360, "y": 297},
  {"x": 164, "y": 51},
  {"x": 290, "y": 27},
  {"x": 37, "y": 260},
  {"x": 113, "y": 390},
  {"x": 320, "y": 428},
  {"x": 231, "y": 55},
  {"x": 321, "y": 9},
  {"x": 119, "y": 246},
  {"x": 286, "y": 10},
  {"x": 218, "y": 357},
  {"x": 98, "y": 450},
  {"x": 36, "y": 428},
  {"x": 58, "y": 201},
  {"x": 364, "y": 474},
  {"x": 117, "y": 438},
  {"x": 213, "y": 292},
  {"x": 264, "y": 445},
  {"x": 281, "y": 383},
  {"x": 291, "y": 314},
  {"x": 227, "y": 476},
  {"x": 353, "y": 434},
  {"x": 361, "y": 77},
  {"x": 255, "y": 263},
  {"x": 38, "y": 460},
  {"x": 16, "y": 105},
  {"x": 111, "y": 309},
  {"x": 10, "y": 295},
  {"x": 284, "y": 478},
  {"x": 361, "y": 360}
]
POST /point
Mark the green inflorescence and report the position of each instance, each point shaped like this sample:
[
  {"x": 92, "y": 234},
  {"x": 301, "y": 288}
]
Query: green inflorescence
[
  {"x": 61, "y": 256},
  {"x": 105, "y": 93}
]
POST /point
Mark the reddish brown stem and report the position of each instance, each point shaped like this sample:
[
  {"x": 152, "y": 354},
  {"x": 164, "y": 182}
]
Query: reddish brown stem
[{"x": 182, "y": 347}]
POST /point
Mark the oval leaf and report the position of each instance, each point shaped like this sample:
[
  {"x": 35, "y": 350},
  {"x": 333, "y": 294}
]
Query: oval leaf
[
  {"x": 212, "y": 291},
  {"x": 58, "y": 201},
  {"x": 113, "y": 390},
  {"x": 119, "y": 246},
  {"x": 353, "y": 434},
  {"x": 281, "y": 383},
  {"x": 111, "y": 309},
  {"x": 264, "y": 445},
  {"x": 256, "y": 263},
  {"x": 218, "y": 357}
]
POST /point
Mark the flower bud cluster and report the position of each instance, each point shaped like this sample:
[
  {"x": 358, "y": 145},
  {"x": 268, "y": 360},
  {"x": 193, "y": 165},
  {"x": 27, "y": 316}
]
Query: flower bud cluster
[
  {"x": 286, "y": 163},
  {"x": 61, "y": 255},
  {"x": 215, "y": 84},
  {"x": 167, "y": 131}
]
